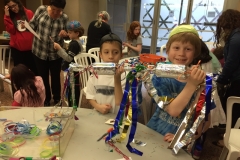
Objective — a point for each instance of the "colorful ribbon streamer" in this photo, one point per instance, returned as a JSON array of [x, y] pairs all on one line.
[[208, 96], [134, 118]]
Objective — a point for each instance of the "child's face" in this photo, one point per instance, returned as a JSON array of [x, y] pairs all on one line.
[[181, 53], [110, 52], [73, 35], [136, 31]]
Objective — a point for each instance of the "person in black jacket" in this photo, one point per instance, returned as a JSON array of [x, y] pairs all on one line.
[[228, 82], [97, 29]]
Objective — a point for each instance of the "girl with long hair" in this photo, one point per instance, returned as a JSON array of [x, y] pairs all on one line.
[[134, 39], [20, 38], [228, 82], [30, 90]]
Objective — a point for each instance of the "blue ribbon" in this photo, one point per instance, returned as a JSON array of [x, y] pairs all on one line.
[[208, 96], [134, 119], [120, 112]]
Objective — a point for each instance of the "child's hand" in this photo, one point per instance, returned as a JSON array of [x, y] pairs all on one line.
[[196, 77], [125, 44], [119, 71], [168, 137], [197, 136], [6, 10], [7, 76], [63, 33], [56, 46], [104, 108]]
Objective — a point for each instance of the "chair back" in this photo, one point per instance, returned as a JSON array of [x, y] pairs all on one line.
[[230, 101], [85, 60], [95, 51], [83, 40], [5, 60], [161, 49]]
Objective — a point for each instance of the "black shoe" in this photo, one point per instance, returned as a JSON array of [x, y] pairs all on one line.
[[46, 103]]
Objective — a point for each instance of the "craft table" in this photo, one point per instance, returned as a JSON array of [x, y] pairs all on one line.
[[91, 125]]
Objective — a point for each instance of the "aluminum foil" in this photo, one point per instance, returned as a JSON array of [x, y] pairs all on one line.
[[104, 68], [171, 71], [189, 137], [175, 145], [72, 85], [162, 102]]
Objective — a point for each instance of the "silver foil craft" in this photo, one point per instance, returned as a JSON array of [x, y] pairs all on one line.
[[189, 137], [182, 129], [171, 71], [181, 138], [72, 84], [104, 68]]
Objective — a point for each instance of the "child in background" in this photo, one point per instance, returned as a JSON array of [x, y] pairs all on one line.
[[218, 52], [134, 39], [106, 91], [30, 90], [209, 62], [182, 47], [75, 30]]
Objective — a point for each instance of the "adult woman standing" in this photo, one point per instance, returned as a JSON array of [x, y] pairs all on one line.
[[50, 23], [20, 38], [134, 39], [97, 29], [228, 82]]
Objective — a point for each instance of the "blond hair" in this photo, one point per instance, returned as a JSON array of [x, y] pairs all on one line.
[[102, 15]]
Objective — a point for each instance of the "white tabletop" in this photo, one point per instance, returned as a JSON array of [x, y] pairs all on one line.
[[91, 126]]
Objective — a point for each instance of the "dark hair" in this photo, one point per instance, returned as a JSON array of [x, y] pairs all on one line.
[[80, 30], [111, 38], [21, 12], [204, 55], [218, 52], [58, 3], [23, 79], [227, 22], [130, 33]]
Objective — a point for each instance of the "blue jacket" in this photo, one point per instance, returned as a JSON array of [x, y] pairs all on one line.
[[231, 68]]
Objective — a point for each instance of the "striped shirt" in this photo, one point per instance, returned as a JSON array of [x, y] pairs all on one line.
[[47, 27]]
